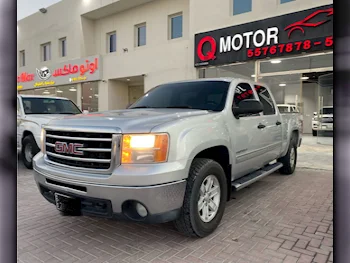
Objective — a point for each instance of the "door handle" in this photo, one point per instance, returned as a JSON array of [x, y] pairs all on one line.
[[261, 126], [278, 123]]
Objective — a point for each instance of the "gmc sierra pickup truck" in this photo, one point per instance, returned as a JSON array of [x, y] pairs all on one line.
[[33, 111], [175, 155]]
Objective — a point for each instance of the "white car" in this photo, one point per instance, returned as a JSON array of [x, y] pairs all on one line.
[[32, 112], [287, 108], [323, 121]]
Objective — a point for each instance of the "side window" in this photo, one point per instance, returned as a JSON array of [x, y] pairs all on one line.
[[243, 91], [266, 100]]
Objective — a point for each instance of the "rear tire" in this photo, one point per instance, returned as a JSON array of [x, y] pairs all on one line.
[[206, 188], [289, 161], [314, 133], [29, 150]]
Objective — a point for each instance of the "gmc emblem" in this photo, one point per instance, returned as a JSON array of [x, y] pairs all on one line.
[[69, 148]]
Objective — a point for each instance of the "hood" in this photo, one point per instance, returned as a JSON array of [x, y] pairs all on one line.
[[43, 118], [128, 121]]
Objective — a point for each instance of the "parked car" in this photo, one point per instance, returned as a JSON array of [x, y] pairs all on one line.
[[323, 121], [32, 113], [175, 155], [291, 109], [287, 108]]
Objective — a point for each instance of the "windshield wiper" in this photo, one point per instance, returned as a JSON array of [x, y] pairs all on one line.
[[67, 113], [141, 107]]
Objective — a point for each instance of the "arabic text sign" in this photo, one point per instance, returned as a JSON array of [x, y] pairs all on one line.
[[65, 73]]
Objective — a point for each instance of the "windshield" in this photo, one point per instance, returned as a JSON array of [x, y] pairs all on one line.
[[326, 111], [49, 106], [201, 95]]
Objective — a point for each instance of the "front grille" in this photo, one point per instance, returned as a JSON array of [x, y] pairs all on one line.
[[327, 120], [79, 149]]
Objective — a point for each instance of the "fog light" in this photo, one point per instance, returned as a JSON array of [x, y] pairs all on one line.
[[141, 210]]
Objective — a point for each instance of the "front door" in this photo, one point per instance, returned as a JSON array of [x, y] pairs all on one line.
[[247, 139]]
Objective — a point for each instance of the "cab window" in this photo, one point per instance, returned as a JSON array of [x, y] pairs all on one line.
[[266, 100], [243, 91]]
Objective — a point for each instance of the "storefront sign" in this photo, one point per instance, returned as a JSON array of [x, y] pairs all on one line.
[[301, 32], [80, 70]]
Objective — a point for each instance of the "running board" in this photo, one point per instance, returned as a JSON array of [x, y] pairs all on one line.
[[255, 176]]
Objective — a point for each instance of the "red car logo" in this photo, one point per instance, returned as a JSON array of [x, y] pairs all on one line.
[[69, 148], [305, 22]]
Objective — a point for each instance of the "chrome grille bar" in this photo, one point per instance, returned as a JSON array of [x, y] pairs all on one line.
[[78, 158], [78, 138]]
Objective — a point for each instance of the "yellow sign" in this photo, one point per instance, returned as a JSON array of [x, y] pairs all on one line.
[[19, 87], [44, 83], [80, 78]]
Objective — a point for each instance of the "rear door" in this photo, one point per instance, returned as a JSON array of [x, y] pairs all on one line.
[[272, 132], [246, 136]]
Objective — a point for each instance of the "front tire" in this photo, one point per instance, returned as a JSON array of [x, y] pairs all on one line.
[[205, 199], [29, 150], [289, 161]]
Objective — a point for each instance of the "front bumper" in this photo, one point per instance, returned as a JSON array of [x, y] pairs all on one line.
[[163, 201]]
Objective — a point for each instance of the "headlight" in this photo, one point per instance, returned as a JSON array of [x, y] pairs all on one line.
[[42, 140], [145, 148]]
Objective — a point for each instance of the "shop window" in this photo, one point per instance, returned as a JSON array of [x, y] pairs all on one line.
[[266, 100], [63, 47], [242, 6], [286, 1], [26, 92], [69, 92], [141, 35], [307, 62], [22, 58], [46, 52], [45, 91], [176, 26], [241, 70], [112, 42], [89, 100]]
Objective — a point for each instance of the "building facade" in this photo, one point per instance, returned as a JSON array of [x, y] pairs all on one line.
[[105, 54]]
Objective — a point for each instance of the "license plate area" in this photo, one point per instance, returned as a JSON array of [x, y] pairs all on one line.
[[67, 204]]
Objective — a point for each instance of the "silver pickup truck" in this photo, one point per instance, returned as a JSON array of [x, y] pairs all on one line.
[[174, 155]]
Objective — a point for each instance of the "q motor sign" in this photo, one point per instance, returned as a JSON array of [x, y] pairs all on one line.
[[301, 32], [74, 71]]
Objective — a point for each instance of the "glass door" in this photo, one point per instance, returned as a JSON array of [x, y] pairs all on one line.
[[324, 115]]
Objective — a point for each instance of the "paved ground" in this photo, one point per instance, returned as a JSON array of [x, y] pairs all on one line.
[[278, 219]]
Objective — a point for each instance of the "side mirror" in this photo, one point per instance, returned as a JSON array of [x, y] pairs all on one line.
[[248, 107], [85, 112], [315, 113]]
